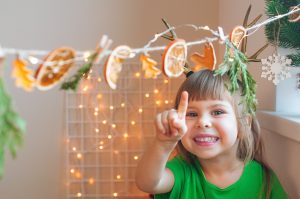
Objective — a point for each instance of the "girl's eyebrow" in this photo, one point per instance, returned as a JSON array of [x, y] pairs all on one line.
[[219, 105]]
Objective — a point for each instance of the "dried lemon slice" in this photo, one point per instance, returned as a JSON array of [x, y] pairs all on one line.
[[174, 58]]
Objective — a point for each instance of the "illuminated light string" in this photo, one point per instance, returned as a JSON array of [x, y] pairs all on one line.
[[82, 55]]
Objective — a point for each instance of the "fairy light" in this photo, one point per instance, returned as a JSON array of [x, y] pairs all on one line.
[[89, 77], [125, 135], [91, 181], [78, 174], [118, 177], [155, 91], [101, 147], [166, 81], [99, 96], [74, 149], [115, 194], [140, 110], [135, 157], [97, 130], [116, 152], [72, 171], [99, 79], [123, 105], [157, 102], [80, 106], [147, 95], [109, 136], [114, 126], [137, 74], [166, 101], [79, 194], [79, 155], [85, 88], [104, 122], [111, 107], [101, 142], [132, 122], [95, 113]]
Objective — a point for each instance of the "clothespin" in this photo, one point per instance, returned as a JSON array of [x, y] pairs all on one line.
[[104, 45], [221, 35]]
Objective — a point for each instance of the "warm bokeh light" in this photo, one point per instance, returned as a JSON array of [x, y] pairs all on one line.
[[109, 136], [91, 181], [74, 149], [115, 194], [80, 106], [140, 110], [137, 74], [166, 81], [79, 194], [125, 135], [156, 91], [132, 122], [147, 95], [79, 155], [123, 104], [104, 122], [118, 177], [72, 170], [136, 157], [114, 126], [97, 130]]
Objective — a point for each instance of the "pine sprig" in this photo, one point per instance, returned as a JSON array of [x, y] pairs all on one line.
[[12, 127], [73, 82], [283, 33], [236, 69]]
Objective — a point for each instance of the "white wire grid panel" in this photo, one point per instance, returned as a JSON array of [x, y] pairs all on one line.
[[107, 131]]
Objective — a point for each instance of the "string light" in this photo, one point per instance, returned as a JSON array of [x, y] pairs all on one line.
[[72, 170], [111, 107], [104, 122], [125, 135], [79, 155], [115, 194], [74, 148], [109, 136], [99, 96], [166, 81], [114, 126], [132, 122], [99, 79], [91, 181], [137, 74], [79, 194], [97, 130], [78, 174], [101, 147], [136, 157], [118, 177], [147, 95], [156, 91], [95, 113], [166, 101], [123, 104], [140, 110], [157, 102], [80, 106]]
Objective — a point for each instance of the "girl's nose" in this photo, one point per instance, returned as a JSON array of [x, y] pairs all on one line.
[[203, 122]]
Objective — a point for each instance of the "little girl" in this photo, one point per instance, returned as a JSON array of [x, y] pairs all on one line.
[[219, 147]]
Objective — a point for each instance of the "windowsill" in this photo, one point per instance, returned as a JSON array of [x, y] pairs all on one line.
[[284, 124]]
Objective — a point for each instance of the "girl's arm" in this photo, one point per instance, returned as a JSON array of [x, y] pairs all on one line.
[[152, 175]]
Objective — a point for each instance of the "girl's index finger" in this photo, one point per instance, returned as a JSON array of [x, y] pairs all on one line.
[[183, 104]]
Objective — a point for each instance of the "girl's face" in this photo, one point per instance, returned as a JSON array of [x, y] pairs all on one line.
[[212, 129]]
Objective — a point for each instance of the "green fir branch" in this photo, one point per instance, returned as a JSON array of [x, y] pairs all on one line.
[[236, 69], [73, 82], [12, 127], [281, 32]]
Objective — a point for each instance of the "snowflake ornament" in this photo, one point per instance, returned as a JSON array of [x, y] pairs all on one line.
[[276, 68]]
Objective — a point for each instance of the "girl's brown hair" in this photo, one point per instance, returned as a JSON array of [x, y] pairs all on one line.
[[205, 85]]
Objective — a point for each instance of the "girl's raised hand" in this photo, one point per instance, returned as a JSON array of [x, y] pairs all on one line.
[[170, 124]]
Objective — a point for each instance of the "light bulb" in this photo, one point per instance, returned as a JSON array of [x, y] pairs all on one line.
[[140, 110]]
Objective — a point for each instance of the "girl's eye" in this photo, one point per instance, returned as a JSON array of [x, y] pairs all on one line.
[[191, 114], [218, 112]]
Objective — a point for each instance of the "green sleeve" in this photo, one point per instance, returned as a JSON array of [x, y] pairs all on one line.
[[176, 167], [277, 191]]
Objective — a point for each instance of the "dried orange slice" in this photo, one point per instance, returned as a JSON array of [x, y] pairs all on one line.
[[113, 65], [148, 65], [207, 60], [174, 58], [54, 68], [236, 37]]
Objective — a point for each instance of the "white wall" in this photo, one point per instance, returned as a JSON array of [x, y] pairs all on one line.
[[32, 24]]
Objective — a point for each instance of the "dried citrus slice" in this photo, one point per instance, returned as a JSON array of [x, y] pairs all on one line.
[[174, 58], [236, 37], [113, 65], [54, 68], [207, 60]]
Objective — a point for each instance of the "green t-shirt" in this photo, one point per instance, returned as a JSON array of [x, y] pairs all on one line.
[[190, 183]]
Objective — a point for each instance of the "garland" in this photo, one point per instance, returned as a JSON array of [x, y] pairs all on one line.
[[236, 69], [283, 33]]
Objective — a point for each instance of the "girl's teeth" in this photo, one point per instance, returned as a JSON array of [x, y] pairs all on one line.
[[206, 139]]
